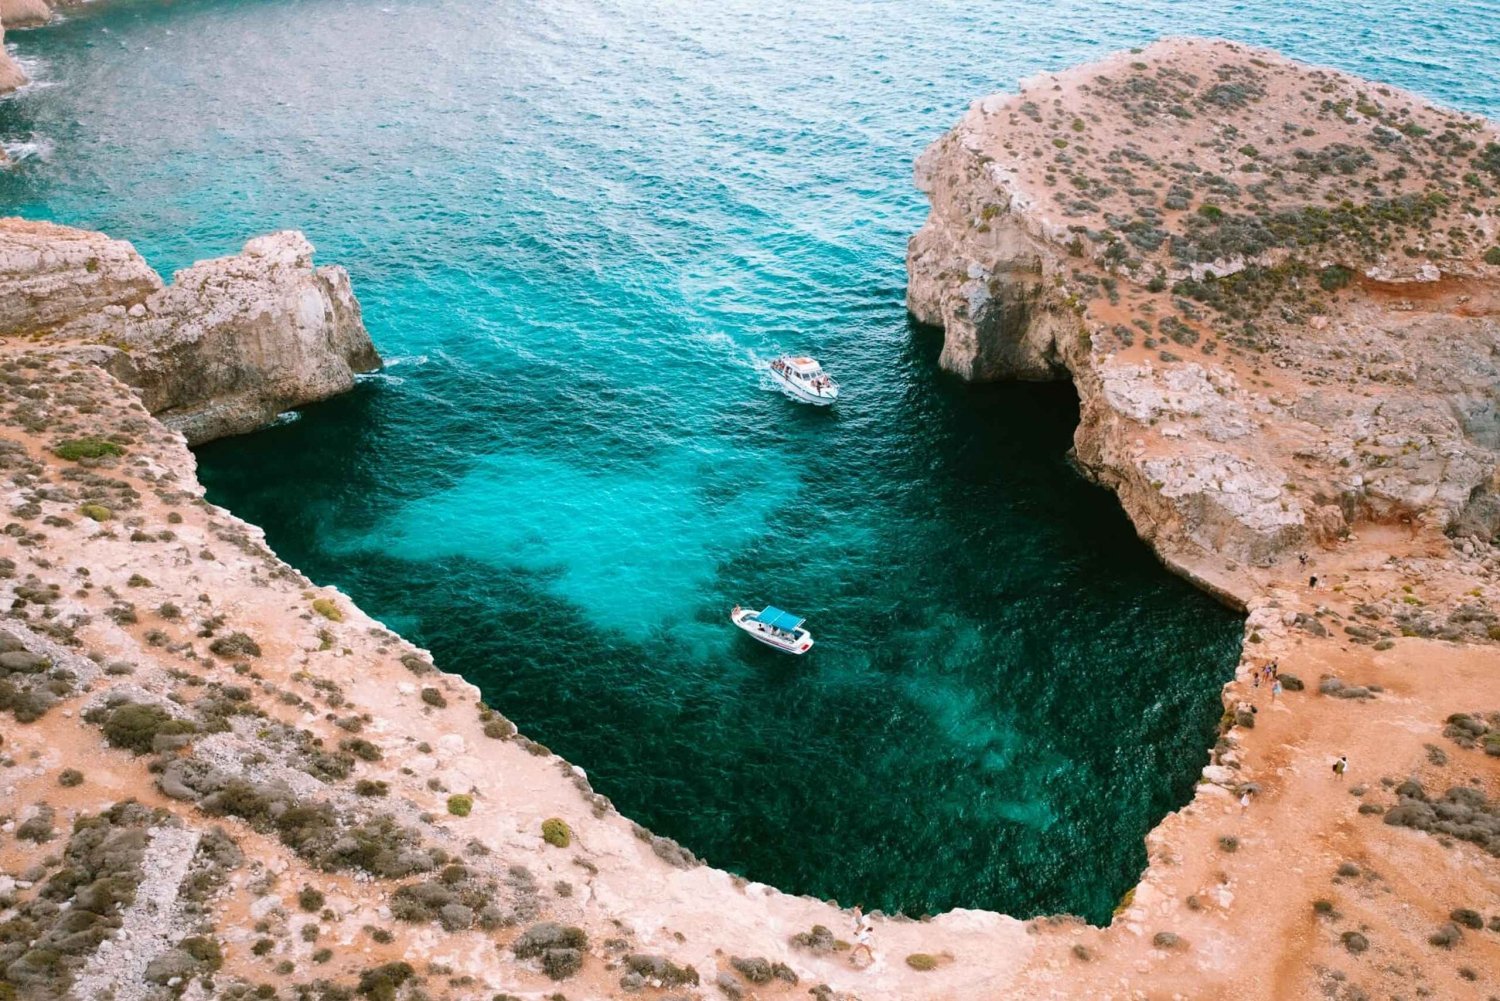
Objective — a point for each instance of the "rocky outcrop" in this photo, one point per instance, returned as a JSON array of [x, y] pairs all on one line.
[[24, 13], [11, 74], [223, 349], [1283, 320], [50, 274]]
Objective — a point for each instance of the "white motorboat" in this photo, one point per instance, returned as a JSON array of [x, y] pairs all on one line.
[[774, 628], [803, 379]]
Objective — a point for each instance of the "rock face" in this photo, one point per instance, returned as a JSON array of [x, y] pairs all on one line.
[[51, 274], [24, 13], [222, 350], [1274, 292], [11, 75]]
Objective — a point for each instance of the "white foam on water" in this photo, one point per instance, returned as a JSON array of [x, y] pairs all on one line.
[[37, 147], [284, 418]]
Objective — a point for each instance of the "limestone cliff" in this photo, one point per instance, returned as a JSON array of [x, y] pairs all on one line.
[[11, 74], [1275, 287], [223, 349], [24, 13]]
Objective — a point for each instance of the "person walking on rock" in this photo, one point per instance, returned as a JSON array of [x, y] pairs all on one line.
[[1341, 766], [863, 940]]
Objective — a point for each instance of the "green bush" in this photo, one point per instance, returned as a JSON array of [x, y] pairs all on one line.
[[310, 898], [360, 748], [96, 512], [556, 832], [433, 697], [203, 949], [921, 961], [381, 982], [1492, 256], [235, 645], [460, 805], [326, 608], [135, 726], [1334, 277], [69, 777], [87, 448]]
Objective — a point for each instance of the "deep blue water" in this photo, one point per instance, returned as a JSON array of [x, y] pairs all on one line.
[[577, 229]]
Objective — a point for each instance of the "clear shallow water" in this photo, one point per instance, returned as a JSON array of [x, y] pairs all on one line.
[[578, 229]]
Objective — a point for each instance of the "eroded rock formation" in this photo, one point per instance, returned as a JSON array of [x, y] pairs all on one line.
[[223, 349], [11, 74], [1274, 286]]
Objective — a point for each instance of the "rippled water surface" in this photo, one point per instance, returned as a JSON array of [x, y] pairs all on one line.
[[578, 230]]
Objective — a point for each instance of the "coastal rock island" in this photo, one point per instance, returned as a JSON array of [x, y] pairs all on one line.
[[223, 349], [222, 780]]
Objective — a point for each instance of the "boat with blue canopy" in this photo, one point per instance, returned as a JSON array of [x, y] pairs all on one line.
[[774, 627]]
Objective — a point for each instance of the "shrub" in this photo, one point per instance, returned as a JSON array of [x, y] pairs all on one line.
[[326, 608], [360, 748], [38, 828], [921, 961], [310, 898], [433, 697], [135, 726], [669, 974], [205, 951], [1492, 256], [87, 448], [69, 777], [96, 512], [1334, 277], [556, 832], [460, 804], [1467, 917], [380, 983], [368, 787], [1445, 937], [235, 645]]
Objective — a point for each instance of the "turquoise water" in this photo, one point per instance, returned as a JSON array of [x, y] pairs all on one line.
[[578, 230]]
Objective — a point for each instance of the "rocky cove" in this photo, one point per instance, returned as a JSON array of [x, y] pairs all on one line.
[[304, 776]]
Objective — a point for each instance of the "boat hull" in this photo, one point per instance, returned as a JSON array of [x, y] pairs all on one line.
[[796, 646]]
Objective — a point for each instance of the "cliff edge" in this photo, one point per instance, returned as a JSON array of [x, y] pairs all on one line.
[[1274, 285], [1276, 288]]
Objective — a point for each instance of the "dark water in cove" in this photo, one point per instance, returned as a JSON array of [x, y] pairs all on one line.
[[578, 229]]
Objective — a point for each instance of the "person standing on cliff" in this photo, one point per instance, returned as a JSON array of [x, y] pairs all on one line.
[[1275, 688], [1341, 766], [863, 939]]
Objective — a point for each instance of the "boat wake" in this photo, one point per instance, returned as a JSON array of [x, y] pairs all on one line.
[[380, 378]]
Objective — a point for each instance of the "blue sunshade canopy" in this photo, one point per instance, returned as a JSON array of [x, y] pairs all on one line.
[[777, 619]]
